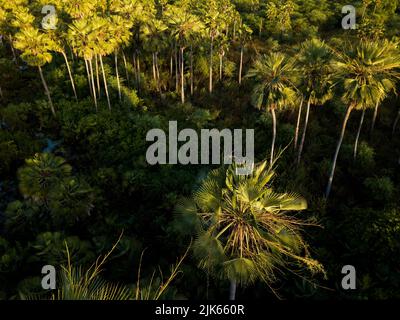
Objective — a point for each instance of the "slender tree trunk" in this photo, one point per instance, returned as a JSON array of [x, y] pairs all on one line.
[[154, 67], [125, 66], [138, 69], [97, 75], [241, 64], [182, 76], [396, 122], [358, 134], [210, 85], [70, 74], [46, 88], [105, 82], [220, 67], [88, 77], [303, 137], [232, 290], [335, 157], [93, 84], [157, 68], [234, 30], [117, 74], [176, 69], [374, 117], [1, 93], [273, 133], [135, 69], [191, 70], [296, 134]]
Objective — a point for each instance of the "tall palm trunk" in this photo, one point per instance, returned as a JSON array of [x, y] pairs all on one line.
[[138, 71], [303, 137], [176, 69], [374, 117], [191, 70], [88, 77], [134, 68], [105, 82], [273, 133], [117, 74], [125, 66], [339, 144], [97, 75], [220, 66], [93, 85], [182, 75], [232, 290], [241, 64], [210, 84], [358, 134], [158, 72], [296, 134], [46, 88], [396, 121], [70, 74]]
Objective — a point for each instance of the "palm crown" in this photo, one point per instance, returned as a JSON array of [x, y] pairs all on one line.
[[244, 231]]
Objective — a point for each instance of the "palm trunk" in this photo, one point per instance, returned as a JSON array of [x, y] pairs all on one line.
[[154, 67], [157, 71], [97, 75], [191, 70], [125, 66], [303, 137], [339, 144], [358, 134], [182, 76], [210, 84], [93, 85], [296, 134], [88, 77], [273, 133], [220, 67], [176, 69], [396, 122], [70, 74], [47, 91], [138, 70], [374, 117], [105, 82], [232, 290], [134, 68], [117, 74], [241, 65]]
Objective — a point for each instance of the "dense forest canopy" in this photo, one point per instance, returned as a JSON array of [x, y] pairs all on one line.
[[83, 82]]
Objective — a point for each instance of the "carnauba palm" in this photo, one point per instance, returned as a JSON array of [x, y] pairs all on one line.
[[245, 232]]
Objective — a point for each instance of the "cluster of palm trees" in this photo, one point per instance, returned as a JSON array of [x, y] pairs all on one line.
[[93, 29], [362, 74]]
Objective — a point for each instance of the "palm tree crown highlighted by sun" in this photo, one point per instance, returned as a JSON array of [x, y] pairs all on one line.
[[244, 230]]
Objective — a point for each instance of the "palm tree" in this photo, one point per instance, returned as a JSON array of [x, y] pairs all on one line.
[[184, 27], [41, 175], [315, 66], [366, 72], [36, 49], [274, 89], [244, 35], [244, 232]]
